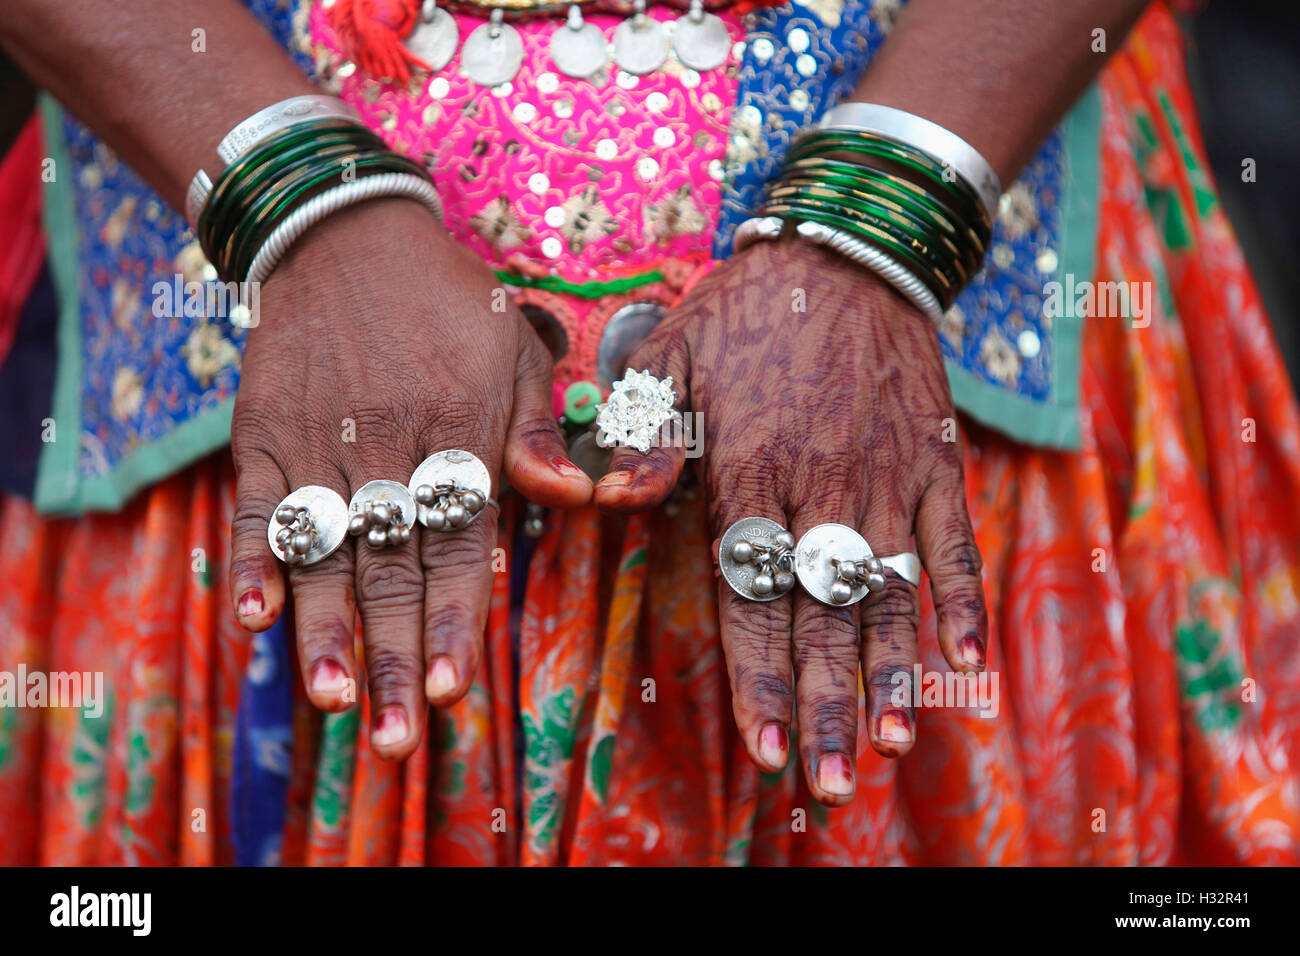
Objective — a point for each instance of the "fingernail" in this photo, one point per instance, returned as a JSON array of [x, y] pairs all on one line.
[[251, 602], [971, 651], [772, 745], [835, 774], [615, 479], [894, 727], [392, 728], [327, 677], [442, 679], [563, 466]]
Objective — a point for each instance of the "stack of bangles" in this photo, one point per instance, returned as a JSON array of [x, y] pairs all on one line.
[[892, 191], [287, 168]]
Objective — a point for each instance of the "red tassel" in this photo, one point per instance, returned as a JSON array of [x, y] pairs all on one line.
[[371, 32]]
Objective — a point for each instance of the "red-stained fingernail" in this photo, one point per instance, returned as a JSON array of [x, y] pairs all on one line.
[[328, 677], [835, 774], [615, 479], [251, 602], [894, 727], [971, 651], [773, 746], [562, 466], [442, 679], [391, 729]]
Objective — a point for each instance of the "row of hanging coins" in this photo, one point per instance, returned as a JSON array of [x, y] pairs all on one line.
[[494, 52]]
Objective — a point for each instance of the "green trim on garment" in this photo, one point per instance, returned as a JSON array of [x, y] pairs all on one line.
[[584, 290], [56, 473], [59, 486], [1056, 422]]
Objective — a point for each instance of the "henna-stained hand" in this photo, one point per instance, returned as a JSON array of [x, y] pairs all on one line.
[[824, 399], [378, 345]]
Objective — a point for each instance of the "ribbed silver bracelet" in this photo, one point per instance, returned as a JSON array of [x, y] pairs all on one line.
[[930, 138], [267, 122], [849, 246], [383, 186]]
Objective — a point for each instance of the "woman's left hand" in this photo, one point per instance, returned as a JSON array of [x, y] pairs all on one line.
[[824, 399]]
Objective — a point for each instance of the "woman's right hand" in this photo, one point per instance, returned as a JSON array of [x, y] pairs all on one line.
[[377, 345]]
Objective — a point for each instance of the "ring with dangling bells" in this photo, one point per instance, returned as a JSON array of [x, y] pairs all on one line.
[[307, 526], [450, 489], [756, 557], [382, 512]]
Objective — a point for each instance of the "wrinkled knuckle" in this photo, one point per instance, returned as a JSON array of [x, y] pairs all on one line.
[[384, 583], [761, 687], [458, 553], [896, 604], [834, 718], [966, 600], [388, 667], [321, 636], [826, 629], [958, 556]]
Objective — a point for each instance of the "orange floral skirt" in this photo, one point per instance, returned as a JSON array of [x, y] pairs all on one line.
[[1145, 629]]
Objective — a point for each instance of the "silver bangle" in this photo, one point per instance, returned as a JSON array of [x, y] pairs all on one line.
[[902, 279], [267, 122], [258, 127], [327, 203], [931, 138]]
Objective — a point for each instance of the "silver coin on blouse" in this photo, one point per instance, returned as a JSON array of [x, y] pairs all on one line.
[[492, 54], [640, 45], [579, 49], [701, 41], [326, 524], [815, 560], [435, 37]]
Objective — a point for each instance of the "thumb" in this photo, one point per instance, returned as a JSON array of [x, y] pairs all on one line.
[[536, 459]]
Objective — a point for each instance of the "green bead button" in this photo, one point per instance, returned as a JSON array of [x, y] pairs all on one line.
[[580, 401]]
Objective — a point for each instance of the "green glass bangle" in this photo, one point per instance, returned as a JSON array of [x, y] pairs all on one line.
[[903, 190], [933, 279], [820, 141], [286, 177], [918, 244], [235, 174], [963, 196], [263, 219], [920, 225], [234, 202]]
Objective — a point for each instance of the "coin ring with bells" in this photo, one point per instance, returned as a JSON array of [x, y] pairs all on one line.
[[381, 521], [296, 535], [450, 506], [848, 574], [774, 560]]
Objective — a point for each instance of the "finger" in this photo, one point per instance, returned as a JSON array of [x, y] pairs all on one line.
[[826, 673], [256, 579], [390, 597], [946, 546], [458, 589], [888, 619], [536, 459], [637, 481], [324, 613], [756, 640]]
